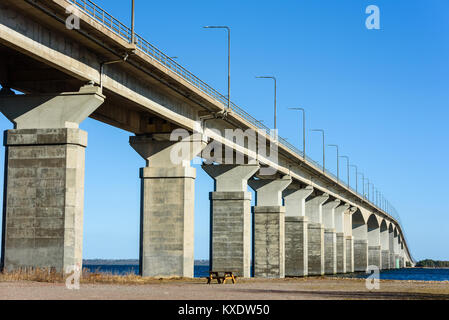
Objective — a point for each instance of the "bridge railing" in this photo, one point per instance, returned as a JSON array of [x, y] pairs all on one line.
[[121, 30]]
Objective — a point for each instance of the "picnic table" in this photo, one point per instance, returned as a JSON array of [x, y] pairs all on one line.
[[221, 276]]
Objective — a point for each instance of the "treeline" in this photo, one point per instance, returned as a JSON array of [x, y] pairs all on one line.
[[428, 263]]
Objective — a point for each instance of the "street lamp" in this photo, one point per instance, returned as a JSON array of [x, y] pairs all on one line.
[[347, 162], [324, 157], [275, 90], [229, 60], [338, 162], [303, 131], [133, 35], [364, 188], [356, 177]]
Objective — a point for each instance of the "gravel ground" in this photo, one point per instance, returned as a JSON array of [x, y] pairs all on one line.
[[246, 289]]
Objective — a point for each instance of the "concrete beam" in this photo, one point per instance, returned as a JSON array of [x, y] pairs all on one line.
[[314, 208], [62, 110], [269, 191]]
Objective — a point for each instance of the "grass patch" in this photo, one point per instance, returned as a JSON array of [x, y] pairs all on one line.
[[51, 276]]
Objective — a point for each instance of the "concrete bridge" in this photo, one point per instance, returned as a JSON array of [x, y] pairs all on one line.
[[305, 221]]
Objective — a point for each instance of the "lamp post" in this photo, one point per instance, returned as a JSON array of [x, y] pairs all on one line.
[[303, 131], [338, 162], [347, 166], [133, 35], [229, 60], [275, 90], [368, 188], [324, 151], [356, 177], [363, 184]]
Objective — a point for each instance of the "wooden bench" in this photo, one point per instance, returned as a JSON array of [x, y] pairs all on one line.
[[222, 276]]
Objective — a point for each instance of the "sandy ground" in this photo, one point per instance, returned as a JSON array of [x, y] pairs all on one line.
[[246, 289]]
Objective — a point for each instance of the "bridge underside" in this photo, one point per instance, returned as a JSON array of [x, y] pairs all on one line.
[[302, 227]]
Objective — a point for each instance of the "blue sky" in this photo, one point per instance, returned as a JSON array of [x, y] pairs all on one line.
[[381, 95]]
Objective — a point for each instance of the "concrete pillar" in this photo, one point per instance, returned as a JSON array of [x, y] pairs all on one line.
[[391, 246], [296, 225], [167, 204], [396, 250], [230, 218], [385, 259], [374, 242], [269, 227], [339, 214], [385, 246], [349, 253], [330, 237], [360, 255], [375, 256], [360, 233], [347, 227], [315, 236], [44, 179]]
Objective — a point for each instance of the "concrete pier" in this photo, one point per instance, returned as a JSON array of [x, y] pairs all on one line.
[[375, 256], [269, 227], [315, 239], [360, 255], [385, 259], [341, 252], [44, 179], [330, 238], [392, 260], [330, 251], [296, 226], [230, 218], [167, 204], [315, 235], [339, 222], [360, 233], [349, 253]]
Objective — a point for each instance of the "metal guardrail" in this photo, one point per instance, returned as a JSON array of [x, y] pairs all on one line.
[[124, 32]]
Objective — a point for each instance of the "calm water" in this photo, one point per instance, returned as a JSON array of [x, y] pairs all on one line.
[[423, 274], [199, 271], [397, 274]]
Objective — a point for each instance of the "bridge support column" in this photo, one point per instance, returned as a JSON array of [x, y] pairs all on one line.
[[44, 179], [339, 217], [296, 225], [330, 238], [375, 256], [349, 253], [269, 227], [392, 260], [167, 204], [385, 259], [230, 218], [341, 252], [360, 255], [330, 251], [315, 236]]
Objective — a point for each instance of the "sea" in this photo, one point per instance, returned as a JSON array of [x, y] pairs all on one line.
[[422, 274]]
